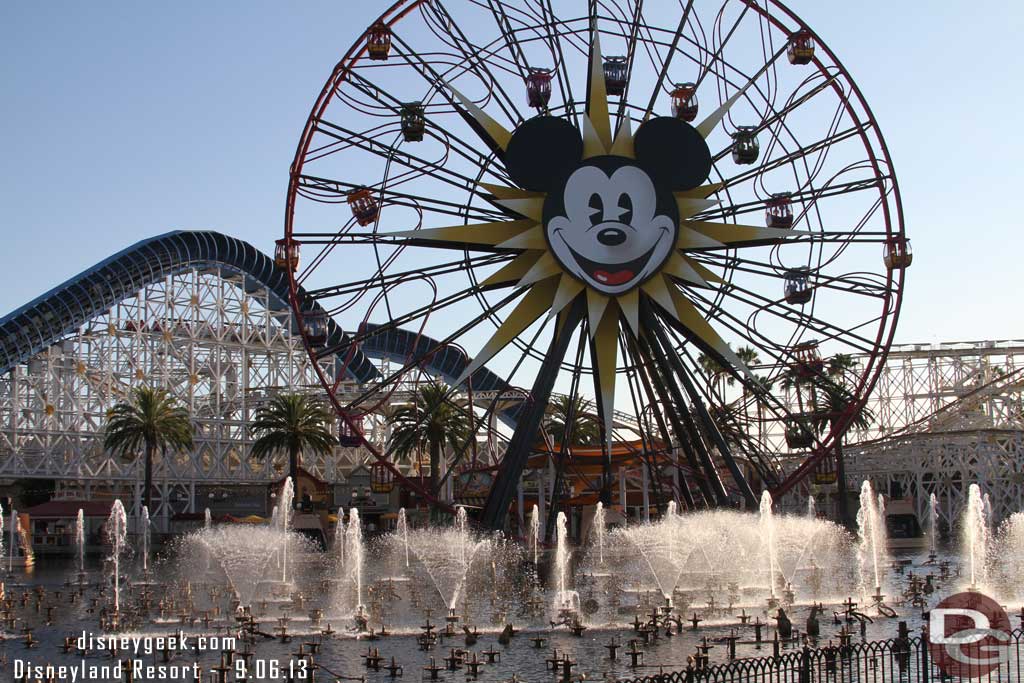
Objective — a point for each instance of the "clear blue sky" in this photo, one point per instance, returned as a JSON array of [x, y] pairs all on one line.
[[122, 120]]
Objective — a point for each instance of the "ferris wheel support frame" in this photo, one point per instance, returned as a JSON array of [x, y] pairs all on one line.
[[725, 452], [525, 434], [705, 436]]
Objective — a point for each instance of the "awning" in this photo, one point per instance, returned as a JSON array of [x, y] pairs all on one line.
[[251, 519], [68, 509]]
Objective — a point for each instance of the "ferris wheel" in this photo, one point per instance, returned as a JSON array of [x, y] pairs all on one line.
[[621, 203]]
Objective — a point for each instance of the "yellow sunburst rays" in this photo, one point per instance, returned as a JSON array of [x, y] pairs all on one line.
[[548, 288]]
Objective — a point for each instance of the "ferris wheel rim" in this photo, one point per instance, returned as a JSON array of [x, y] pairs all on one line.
[[894, 218]]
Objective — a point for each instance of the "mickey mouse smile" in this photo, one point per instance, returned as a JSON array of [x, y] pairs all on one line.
[[611, 274]]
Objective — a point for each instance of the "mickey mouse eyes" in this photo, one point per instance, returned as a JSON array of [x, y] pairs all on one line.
[[626, 204], [596, 209]]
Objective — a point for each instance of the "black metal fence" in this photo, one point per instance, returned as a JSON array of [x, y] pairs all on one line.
[[907, 659]]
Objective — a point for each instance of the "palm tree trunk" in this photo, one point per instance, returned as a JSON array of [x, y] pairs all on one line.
[[148, 477], [435, 465], [293, 470]]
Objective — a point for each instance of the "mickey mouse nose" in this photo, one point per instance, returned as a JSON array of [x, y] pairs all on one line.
[[611, 237]]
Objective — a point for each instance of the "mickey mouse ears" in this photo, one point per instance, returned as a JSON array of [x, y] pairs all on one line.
[[544, 150], [673, 152]]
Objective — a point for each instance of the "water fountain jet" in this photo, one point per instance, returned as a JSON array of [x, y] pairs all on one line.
[[403, 531], [117, 531], [535, 533], [284, 520], [768, 533], [13, 541], [933, 527], [873, 544], [975, 537], [79, 543], [354, 557], [448, 556], [566, 603], [145, 539], [243, 553]]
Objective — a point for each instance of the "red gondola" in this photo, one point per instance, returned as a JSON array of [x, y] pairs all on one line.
[[807, 361], [684, 101], [798, 288], [778, 212], [538, 88], [364, 206], [350, 437]]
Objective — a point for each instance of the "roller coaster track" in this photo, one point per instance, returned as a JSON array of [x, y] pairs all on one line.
[[65, 308], [59, 312]]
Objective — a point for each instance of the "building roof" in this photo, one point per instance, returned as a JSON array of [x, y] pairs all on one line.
[[303, 473], [56, 509], [628, 453]]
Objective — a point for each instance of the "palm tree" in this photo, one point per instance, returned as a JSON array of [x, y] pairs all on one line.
[[763, 386], [833, 400], [431, 422], [714, 371], [150, 419], [292, 423], [585, 429], [840, 366], [792, 380], [749, 356]]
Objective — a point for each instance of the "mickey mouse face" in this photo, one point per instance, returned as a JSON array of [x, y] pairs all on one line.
[[606, 226], [610, 221]]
